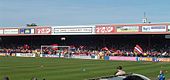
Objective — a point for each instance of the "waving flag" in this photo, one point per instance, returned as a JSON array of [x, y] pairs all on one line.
[[54, 46], [105, 48], [138, 49]]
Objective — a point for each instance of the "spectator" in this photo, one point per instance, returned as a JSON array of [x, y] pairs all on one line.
[[161, 76], [6, 78], [120, 71]]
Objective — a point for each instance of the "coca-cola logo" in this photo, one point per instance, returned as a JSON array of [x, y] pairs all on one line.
[[105, 29], [43, 30]]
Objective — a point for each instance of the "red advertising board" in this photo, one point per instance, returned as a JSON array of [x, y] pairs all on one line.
[[106, 29], [43, 30]]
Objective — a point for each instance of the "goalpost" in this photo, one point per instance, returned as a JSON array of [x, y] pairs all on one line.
[[60, 51]]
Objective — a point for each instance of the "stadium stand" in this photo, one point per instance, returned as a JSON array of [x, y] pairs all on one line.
[[123, 45]]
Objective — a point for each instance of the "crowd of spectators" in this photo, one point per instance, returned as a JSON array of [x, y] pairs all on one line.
[[20, 49], [122, 45], [85, 50]]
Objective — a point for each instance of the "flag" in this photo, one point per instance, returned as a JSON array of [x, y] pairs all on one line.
[[105, 48], [138, 49], [26, 46], [55, 46]]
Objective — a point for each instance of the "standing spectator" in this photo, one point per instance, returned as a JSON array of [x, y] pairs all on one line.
[[161, 76]]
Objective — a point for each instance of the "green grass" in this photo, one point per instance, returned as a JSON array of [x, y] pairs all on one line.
[[72, 69]]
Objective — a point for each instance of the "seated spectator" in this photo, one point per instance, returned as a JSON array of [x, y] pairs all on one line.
[[120, 71]]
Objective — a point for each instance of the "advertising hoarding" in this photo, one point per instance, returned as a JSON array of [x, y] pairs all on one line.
[[156, 28], [144, 59], [163, 59], [127, 28], [51, 55], [27, 31], [43, 30], [73, 30], [100, 29], [1, 31], [82, 57], [11, 31], [25, 54], [2, 54], [122, 58]]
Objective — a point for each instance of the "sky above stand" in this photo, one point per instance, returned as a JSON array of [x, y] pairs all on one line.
[[81, 12]]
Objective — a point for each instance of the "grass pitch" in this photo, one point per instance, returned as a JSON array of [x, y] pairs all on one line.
[[74, 69]]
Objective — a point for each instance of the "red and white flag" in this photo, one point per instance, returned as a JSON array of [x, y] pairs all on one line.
[[138, 49], [55, 46], [105, 48]]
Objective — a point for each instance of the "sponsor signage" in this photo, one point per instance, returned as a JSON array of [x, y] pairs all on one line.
[[51, 55], [2, 54], [169, 28], [25, 54], [144, 59], [73, 30], [156, 28], [105, 29], [122, 58], [27, 31], [127, 28], [10, 31], [13, 54], [163, 59], [82, 57], [43, 30], [1, 31]]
